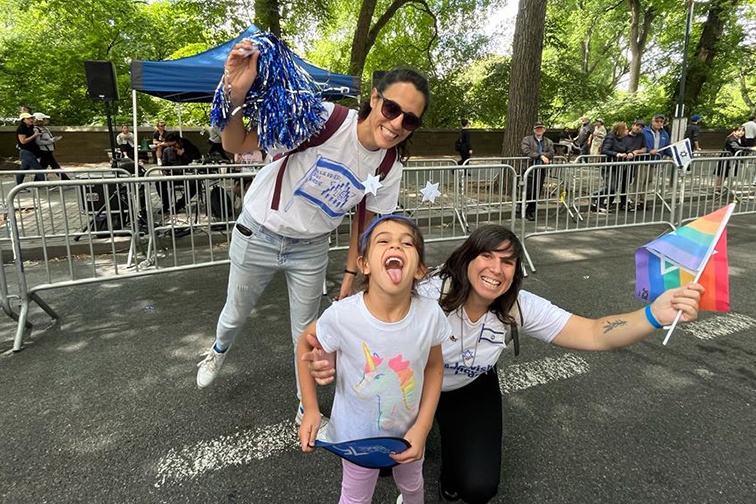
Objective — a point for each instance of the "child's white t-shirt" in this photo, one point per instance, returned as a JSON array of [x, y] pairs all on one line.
[[380, 366], [475, 347], [321, 184]]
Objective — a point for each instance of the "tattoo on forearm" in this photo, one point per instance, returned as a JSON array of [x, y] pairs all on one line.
[[610, 326]]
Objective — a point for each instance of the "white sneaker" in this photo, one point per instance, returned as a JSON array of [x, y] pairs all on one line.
[[322, 430], [160, 162], [209, 367]]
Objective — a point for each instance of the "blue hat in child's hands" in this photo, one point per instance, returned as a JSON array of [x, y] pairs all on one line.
[[372, 453]]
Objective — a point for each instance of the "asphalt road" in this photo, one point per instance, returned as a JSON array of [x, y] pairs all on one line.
[[103, 406]]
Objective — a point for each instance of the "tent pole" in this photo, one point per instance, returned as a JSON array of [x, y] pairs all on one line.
[[178, 112], [135, 130]]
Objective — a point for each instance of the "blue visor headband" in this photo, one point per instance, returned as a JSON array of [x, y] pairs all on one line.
[[378, 220]]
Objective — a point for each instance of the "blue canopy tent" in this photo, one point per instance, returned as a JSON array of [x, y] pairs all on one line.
[[194, 78]]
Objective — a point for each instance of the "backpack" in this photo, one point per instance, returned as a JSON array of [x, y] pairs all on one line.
[[220, 204], [334, 122], [515, 312]]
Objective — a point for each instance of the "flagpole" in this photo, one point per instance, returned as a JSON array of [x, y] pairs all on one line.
[[712, 246]]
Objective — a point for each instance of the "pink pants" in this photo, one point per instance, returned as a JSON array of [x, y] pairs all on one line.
[[358, 483]]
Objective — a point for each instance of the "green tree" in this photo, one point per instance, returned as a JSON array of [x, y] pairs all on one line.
[[525, 77]]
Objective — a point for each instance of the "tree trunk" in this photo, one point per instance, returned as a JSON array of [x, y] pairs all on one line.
[[268, 16], [522, 110], [706, 50], [638, 38], [360, 43]]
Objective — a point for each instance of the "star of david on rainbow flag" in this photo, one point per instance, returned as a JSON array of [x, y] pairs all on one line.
[[696, 252]]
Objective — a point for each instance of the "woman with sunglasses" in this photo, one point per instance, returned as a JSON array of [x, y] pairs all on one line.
[[288, 215]]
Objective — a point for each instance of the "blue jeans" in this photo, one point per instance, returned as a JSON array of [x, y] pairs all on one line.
[[254, 261], [29, 161]]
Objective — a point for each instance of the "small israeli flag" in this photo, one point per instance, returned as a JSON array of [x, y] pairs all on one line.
[[682, 153]]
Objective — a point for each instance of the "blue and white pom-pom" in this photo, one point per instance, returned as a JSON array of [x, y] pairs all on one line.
[[283, 101]]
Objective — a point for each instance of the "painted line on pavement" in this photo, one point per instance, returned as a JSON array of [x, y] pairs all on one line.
[[224, 451], [523, 376], [719, 325]]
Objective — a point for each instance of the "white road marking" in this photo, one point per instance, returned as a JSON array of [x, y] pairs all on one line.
[[224, 451], [540, 372], [719, 325]]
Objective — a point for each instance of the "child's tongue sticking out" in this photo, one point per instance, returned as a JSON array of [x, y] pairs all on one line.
[[394, 269]]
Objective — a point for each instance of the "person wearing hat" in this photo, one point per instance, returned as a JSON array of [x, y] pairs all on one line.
[[597, 137], [540, 151], [693, 130], [28, 150], [657, 138], [46, 142]]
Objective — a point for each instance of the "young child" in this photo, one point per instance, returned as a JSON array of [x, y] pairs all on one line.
[[387, 344]]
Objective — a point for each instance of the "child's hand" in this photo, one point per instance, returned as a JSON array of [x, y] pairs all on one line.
[[308, 431], [416, 437]]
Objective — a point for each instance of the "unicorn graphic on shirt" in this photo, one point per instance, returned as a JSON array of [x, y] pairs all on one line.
[[392, 383]]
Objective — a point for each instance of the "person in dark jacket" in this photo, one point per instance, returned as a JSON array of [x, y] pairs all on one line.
[[28, 150], [733, 147], [615, 151], [540, 151], [693, 131], [463, 143], [178, 151]]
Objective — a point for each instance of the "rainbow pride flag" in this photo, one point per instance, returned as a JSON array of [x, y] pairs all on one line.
[[694, 252]]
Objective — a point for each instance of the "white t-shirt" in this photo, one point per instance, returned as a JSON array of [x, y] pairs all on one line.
[[750, 129], [321, 184], [474, 348], [380, 366]]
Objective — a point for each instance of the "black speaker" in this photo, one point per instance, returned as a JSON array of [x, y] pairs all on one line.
[[377, 76], [101, 80]]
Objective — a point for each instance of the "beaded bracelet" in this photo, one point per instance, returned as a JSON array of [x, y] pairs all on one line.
[[651, 319]]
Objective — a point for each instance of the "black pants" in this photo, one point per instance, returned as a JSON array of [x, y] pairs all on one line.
[[534, 186], [469, 420], [47, 160]]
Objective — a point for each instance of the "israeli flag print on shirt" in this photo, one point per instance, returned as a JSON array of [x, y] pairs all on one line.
[[329, 186]]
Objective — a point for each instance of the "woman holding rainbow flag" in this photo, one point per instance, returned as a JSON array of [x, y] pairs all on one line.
[[479, 288]]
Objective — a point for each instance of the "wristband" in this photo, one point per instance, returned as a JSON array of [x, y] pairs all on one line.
[[651, 319], [347, 270]]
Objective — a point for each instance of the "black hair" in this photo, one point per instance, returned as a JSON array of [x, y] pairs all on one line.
[[465, 123], [173, 136], [486, 238], [400, 75]]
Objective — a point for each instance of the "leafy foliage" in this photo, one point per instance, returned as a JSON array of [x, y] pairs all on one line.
[[585, 59]]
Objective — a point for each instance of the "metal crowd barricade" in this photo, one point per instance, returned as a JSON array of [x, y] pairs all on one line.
[[78, 247], [711, 183], [572, 196], [463, 201], [97, 229], [36, 211]]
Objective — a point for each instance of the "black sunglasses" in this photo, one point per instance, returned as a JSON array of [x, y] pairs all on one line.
[[391, 110]]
